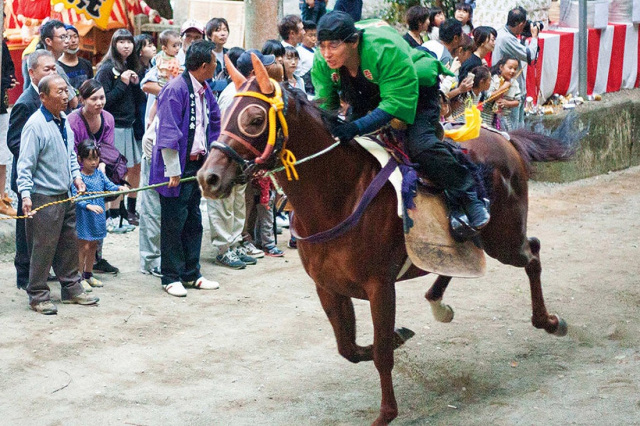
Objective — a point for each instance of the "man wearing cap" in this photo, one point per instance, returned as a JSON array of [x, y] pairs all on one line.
[[190, 31], [227, 216], [382, 78], [188, 119], [77, 69]]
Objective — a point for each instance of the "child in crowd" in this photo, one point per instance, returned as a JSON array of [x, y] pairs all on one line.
[[481, 82], [307, 50], [464, 13], [436, 17], [91, 221], [497, 112], [290, 62], [264, 229], [167, 61]]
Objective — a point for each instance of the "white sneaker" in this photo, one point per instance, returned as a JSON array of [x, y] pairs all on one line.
[[111, 225], [175, 289], [252, 250], [282, 221], [204, 284]]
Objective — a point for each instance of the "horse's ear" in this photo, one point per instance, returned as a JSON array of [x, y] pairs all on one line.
[[237, 78], [262, 76]]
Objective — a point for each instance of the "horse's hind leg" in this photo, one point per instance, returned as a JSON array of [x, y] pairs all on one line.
[[540, 318], [339, 310], [441, 312]]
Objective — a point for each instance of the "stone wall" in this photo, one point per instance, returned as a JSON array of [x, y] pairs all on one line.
[[611, 144]]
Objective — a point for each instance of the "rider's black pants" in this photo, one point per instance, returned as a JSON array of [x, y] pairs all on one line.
[[435, 158]]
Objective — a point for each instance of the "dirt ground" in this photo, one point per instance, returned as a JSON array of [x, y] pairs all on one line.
[[260, 351]]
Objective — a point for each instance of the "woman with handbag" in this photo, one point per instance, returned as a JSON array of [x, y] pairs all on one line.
[[92, 122]]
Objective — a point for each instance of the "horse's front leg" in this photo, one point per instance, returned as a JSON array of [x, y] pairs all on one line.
[[383, 312], [339, 310]]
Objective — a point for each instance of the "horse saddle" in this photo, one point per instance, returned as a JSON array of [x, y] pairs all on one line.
[[429, 242]]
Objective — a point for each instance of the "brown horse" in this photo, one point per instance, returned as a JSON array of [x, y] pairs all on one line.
[[365, 261]]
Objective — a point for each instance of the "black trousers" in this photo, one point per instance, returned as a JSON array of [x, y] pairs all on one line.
[[22, 258], [435, 158], [181, 231]]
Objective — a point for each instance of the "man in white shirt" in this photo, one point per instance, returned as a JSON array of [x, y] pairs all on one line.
[[291, 30]]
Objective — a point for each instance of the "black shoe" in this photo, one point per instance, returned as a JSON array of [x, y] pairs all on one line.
[[104, 267], [133, 218], [476, 210]]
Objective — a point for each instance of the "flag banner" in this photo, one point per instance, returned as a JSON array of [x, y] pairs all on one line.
[[98, 10]]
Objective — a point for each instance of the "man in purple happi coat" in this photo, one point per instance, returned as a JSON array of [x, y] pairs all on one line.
[[188, 120]]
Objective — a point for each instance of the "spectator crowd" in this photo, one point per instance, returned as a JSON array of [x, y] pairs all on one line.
[[147, 115]]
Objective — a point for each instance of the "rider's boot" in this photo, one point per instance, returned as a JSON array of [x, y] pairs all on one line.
[[469, 212], [476, 209]]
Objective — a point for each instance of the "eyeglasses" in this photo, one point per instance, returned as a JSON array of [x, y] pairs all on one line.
[[331, 45], [62, 37]]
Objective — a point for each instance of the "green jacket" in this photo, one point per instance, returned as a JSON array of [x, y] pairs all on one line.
[[387, 61]]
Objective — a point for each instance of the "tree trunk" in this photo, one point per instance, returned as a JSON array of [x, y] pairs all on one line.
[[261, 21], [162, 6]]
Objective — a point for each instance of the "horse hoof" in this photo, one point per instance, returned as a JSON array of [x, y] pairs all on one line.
[[562, 327], [441, 312], [404, 333], [401, 336]]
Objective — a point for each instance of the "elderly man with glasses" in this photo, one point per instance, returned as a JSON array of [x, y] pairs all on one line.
[[382, 78]]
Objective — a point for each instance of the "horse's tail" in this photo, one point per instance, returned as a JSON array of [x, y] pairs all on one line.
[[559, 145]]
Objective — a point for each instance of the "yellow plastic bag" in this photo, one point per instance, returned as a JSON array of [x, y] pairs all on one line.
[[471, 128]]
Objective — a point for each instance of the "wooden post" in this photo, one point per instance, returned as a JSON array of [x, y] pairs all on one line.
[[261, 22]]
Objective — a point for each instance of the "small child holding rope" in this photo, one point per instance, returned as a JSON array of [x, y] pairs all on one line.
[[504, 94], [91, 221]]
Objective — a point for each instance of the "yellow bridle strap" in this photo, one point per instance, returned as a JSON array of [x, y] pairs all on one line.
[[277, 109]]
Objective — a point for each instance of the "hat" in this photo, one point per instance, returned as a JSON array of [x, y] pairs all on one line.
[[335, 25], [71, 27], [245, 66], [191, 23]]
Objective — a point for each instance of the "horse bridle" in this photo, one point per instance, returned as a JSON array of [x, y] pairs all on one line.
[[275, 143]]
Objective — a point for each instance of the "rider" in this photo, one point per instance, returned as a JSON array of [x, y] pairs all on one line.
[[382, 78]]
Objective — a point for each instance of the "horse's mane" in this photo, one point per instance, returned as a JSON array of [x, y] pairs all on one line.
[[302, 102]]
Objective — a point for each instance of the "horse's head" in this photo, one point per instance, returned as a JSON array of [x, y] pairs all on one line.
[[249, 137]]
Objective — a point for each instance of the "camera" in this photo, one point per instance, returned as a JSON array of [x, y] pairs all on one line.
[[526, 32]]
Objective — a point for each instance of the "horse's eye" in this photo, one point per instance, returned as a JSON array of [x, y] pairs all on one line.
[[252, 120]]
